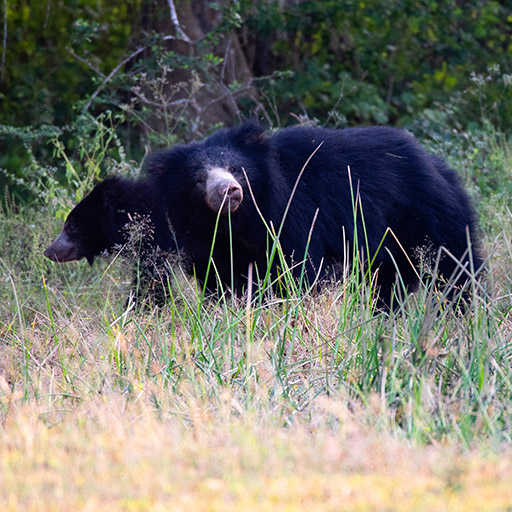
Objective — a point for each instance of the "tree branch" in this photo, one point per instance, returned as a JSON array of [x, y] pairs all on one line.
[[86, 62], [4, 41], [107, 79], [176, 22], [229, 94], [111, 74], [47, 15]]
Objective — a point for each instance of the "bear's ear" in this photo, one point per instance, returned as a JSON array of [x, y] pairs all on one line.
[[249, 134]]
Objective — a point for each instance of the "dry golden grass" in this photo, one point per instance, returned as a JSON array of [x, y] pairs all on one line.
[[311, 403], [147, 411], [113, 454]]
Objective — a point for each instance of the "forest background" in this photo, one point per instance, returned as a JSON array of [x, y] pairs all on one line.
[[437, 68], [293, 402]]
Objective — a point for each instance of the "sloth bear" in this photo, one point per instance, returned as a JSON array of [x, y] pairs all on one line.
[[328, 194]]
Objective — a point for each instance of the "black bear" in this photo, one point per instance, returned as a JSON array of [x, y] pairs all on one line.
[[100, 221], [221, 201]]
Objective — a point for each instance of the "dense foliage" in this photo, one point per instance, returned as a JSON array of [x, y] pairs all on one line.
[[434, 67], [392, 59]]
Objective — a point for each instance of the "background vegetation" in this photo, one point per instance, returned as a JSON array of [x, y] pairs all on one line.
[[298, 402], [434, 67]]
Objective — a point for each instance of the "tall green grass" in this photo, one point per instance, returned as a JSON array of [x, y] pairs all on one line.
[[422, 371]]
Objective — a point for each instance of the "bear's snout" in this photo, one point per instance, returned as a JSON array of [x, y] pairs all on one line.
[[62, 249], [232, 191], [223, 191]]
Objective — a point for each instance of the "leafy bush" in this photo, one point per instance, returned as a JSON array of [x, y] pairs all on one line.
[[398, 57], [438, 66]]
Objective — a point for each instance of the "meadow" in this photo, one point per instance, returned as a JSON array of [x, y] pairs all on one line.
[[290, 401]]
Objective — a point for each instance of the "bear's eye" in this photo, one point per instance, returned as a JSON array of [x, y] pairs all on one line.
[[71, 229], [200, 179], [232, 169]]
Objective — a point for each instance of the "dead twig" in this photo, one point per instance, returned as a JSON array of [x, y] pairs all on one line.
[[111, 75]]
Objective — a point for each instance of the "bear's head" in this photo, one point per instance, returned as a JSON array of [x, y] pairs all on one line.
[[94, 225], [223, 174]]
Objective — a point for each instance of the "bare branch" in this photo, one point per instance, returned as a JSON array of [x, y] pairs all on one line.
[[229, 95], [107, 79], [176, 22], [4, 41], [111, 74], [226, 57], [84, 61], [146, 101], [47, 15], [174, 38]]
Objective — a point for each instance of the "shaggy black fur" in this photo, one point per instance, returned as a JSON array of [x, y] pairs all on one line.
[[380, 174]]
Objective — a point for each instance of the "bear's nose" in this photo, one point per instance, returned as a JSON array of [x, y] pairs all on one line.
[[223, 191], [228, 189], [231, 194]]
